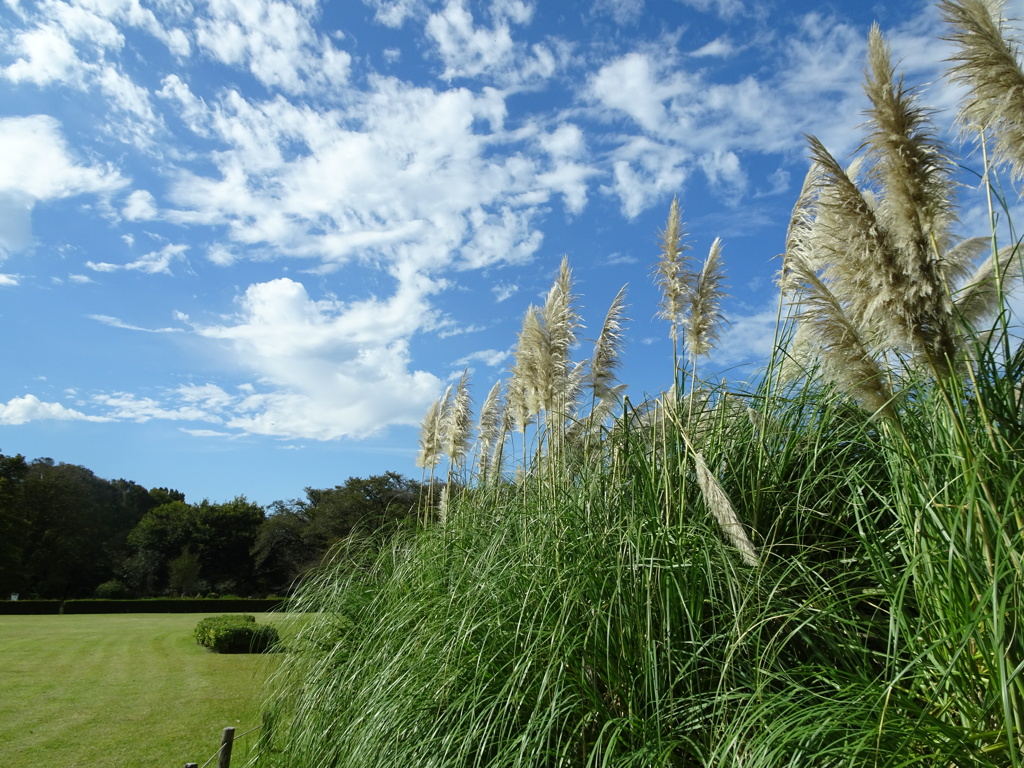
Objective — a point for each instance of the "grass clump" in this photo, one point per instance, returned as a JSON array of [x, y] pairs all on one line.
[[823, 568]]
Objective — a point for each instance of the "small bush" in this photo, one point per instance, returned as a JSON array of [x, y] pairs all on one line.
[[111, 590], [235, 633]]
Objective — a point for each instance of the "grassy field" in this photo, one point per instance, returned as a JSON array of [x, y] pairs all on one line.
[[120, 690]]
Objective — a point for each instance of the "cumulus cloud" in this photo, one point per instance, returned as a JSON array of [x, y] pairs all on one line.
[[408, 173], [39, 164], [21, 410], [328, 368], [691, 117], [46, 56], [140, 206]]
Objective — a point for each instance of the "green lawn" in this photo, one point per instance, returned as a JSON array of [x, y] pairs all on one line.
[[121, 690]]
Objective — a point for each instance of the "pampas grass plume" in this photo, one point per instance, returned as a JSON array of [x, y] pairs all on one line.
[[705, 319], [671, 273], [457, 423], [988, 65], [719, 505]]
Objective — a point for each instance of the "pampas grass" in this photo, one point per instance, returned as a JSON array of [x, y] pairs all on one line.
[[605, 606]]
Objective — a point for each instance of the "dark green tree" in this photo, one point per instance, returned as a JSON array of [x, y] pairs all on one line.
[[297, 535], [219, 537], [72, 521], [13, 523]]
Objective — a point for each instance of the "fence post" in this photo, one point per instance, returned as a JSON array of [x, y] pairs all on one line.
[[226, 740]]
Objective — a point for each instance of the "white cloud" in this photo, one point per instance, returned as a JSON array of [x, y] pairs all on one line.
[[504, 291], [720, 47], [140, 206], [724, 173], [276, 41], [492, 358], [723, 8], [124, 406], [15, 221], [328, 369], [152, 263], [39, 164], [393, 13], [644, 171], [748, 339], [623, 11], [471, 50], [468, 50], [566, 141], [114, 322], [406, 173], [21, 410], [46, 56], [636, 85]]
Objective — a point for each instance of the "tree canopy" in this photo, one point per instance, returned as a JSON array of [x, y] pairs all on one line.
[[66, 533]]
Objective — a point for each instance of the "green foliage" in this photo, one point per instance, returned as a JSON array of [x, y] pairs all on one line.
[[111, 590], [235, 633], [188, 547], [297, 536]]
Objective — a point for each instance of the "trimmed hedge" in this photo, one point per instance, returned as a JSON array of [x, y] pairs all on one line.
[[235, 633], [29, 607], [151, 605]]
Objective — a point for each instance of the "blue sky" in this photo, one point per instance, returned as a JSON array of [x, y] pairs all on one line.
[[244, 244]]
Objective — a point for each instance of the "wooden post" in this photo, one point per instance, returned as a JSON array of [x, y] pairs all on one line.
[[226, 740]]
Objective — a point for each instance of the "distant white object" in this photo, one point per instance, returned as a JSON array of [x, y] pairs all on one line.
[[14, 595]]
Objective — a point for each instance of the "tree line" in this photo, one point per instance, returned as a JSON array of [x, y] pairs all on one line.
[[66, 533]]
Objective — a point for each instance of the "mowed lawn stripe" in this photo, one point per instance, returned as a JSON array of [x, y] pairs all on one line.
[[120, 690]]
